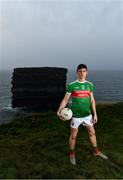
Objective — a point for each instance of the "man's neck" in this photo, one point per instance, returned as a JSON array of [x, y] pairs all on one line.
[[81, 80]]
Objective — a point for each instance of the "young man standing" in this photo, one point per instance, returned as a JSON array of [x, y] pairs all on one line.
[[84, 110]]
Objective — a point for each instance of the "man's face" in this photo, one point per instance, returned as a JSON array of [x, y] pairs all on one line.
[[82, 73]]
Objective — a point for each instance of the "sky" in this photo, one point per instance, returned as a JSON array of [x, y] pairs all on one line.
[[61, 33]]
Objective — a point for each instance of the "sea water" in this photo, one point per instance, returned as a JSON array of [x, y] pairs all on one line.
[[108, 88]]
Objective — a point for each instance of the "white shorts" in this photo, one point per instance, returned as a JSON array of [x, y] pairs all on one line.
[[86, 121]]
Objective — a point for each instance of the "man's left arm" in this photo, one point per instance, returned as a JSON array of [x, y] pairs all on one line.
[[93, 106]]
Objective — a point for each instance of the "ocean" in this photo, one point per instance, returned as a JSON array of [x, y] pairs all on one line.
[[108, 89]]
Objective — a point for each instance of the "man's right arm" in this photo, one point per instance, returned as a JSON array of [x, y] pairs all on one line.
[[63, 104]]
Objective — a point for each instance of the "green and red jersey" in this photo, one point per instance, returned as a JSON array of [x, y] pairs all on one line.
[[80, 94]]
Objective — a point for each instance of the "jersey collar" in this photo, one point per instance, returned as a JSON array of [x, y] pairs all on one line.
[[81, 81]]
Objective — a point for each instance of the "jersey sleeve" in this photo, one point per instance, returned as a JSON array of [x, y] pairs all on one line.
[[92, 88], [69, 89]]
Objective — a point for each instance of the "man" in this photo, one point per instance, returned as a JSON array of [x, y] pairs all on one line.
[[84, 110]]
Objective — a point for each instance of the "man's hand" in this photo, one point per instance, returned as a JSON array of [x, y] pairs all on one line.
[[94, 119], [59, 115]]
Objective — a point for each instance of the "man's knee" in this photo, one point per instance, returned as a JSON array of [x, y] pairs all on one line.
[[91, 133], [73, 137]]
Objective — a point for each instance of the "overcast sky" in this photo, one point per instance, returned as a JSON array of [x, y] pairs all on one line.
[[61, 33]]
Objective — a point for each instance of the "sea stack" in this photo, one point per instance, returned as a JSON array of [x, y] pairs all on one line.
[[40, 88]]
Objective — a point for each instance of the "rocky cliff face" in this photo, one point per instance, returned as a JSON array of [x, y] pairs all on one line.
[[39, 88]]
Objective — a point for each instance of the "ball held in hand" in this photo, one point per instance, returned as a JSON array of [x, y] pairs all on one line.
[[66, 113]]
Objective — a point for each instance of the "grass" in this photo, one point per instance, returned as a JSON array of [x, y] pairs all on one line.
[[36, 147]]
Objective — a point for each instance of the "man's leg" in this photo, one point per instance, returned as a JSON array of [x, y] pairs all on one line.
[[72, 139], [72, 142], [93, 140], [92, 135]]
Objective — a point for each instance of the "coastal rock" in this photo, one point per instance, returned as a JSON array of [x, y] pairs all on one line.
[[38, 88]]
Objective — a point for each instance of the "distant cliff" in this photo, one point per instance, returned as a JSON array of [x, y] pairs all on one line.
[[38, 88]]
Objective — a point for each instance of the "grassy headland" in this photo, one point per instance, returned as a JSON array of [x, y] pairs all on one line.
[[36, 147]]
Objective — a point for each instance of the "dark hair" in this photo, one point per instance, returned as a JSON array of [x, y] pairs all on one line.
[[80, 66]]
